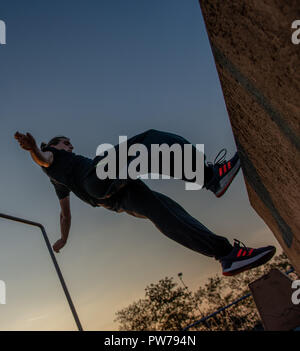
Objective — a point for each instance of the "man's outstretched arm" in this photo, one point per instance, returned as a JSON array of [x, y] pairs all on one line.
[[28, 143]]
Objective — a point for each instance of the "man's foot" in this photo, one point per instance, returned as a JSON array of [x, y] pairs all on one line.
[[223, 173], [242, 258]]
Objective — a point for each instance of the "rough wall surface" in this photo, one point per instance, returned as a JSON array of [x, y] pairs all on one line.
[[259, 70]]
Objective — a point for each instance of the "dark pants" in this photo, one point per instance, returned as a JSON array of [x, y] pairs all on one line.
[[137, 199]]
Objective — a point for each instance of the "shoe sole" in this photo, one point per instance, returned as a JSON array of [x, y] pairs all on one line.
[[223, 191], [263, 259]]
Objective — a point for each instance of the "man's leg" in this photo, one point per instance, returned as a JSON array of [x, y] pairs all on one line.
[[173, 221], [153, 136], [170, 218], [217, 176]]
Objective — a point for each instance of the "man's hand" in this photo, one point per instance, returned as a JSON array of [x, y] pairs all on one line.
[[26, 142], [59, 245]]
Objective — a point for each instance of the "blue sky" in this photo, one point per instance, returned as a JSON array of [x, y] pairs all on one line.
[[94, 70]]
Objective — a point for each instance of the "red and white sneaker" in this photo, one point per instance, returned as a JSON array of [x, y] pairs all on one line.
[[242, 258], [223, 173]]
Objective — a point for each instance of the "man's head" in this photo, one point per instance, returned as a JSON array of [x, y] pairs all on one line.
[[59, 143]]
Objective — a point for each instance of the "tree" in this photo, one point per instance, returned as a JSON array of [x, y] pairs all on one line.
[[167, 306]]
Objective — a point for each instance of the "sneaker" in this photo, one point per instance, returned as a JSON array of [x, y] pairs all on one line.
[[223, 173], [242, 258]]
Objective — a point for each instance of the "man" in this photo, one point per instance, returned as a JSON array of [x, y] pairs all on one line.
[[76, 173]]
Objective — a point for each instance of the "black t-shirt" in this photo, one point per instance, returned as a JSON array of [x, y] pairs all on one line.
[[67, 173]]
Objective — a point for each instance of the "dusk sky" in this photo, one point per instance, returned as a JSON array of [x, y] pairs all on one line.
[[94, 70]]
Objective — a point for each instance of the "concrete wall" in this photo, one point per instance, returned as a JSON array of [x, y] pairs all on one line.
[[259, 70]]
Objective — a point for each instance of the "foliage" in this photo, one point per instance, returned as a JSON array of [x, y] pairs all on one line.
[[167, 306]]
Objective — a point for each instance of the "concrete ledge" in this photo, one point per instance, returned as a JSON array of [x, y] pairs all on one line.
[[258, 67]]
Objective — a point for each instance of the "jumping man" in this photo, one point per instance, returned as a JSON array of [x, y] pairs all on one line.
[[71, 172]]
